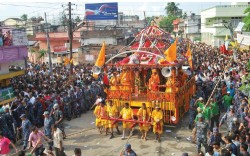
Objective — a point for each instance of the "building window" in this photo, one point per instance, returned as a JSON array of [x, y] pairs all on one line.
[[235, 21]]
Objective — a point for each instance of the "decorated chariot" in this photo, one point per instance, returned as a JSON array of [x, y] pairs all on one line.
[[148, 76]]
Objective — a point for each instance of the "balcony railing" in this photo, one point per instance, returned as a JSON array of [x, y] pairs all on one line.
[[13, 53]]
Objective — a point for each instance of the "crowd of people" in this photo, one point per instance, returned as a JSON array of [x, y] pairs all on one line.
[[222, 98], [45, 101]]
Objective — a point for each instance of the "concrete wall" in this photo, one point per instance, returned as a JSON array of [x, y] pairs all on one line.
[[43, 44], [4, 68], [56, 35], [102, 33], [192, 27], [224, 11], [107, 40], [12, 22]]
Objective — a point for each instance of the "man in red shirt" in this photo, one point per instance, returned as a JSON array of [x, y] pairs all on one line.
[[4, 145]]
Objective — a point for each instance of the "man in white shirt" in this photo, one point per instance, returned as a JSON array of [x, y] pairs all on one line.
[[58, 141]]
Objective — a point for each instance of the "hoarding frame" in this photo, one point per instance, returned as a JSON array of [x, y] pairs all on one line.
[[101, 11]]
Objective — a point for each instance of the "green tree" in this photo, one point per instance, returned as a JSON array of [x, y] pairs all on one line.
[[78, 19], [24, 17], [42, 53], [173, 9], [173, 12], [246, 19], [167, 23]]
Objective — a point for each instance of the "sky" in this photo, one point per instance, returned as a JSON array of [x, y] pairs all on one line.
[[54, 8]]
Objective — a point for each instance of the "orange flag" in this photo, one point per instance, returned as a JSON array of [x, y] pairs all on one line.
[[66, 61], [101, 57], [189, 55], [171, 52]]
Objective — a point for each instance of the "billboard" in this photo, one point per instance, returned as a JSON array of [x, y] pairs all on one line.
[[13, 37], [101, 11], [19, 37]]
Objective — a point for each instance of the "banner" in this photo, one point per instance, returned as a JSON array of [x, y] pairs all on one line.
[[60, 48], [101, 11], [14, 37], [19, 37], [6, 94]]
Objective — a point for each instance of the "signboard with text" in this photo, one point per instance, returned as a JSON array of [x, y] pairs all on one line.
[[14, 37], [59, 48], [19, 37]]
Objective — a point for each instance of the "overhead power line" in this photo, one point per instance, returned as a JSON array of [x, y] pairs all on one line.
[[29, 6]]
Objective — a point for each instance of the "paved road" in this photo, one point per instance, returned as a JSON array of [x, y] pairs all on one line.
[[83, 134], [94, 144]]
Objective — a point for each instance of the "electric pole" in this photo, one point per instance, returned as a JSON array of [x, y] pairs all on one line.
[[70, 34], [146, 23], [48, 44]]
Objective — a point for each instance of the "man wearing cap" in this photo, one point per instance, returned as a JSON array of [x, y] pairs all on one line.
[[215, 137], [57, 116], [202, 129], [126, 114], [228, 117], [128, 151], [156, 119], [26, 128], [112, 113], [227, 99], [48, 124], [144, 114]]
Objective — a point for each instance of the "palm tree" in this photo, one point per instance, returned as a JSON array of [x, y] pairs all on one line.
[[32, 54], [173, 9], [42, 53]]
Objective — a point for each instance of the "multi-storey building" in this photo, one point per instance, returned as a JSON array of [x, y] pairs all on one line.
[[213, 21]]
